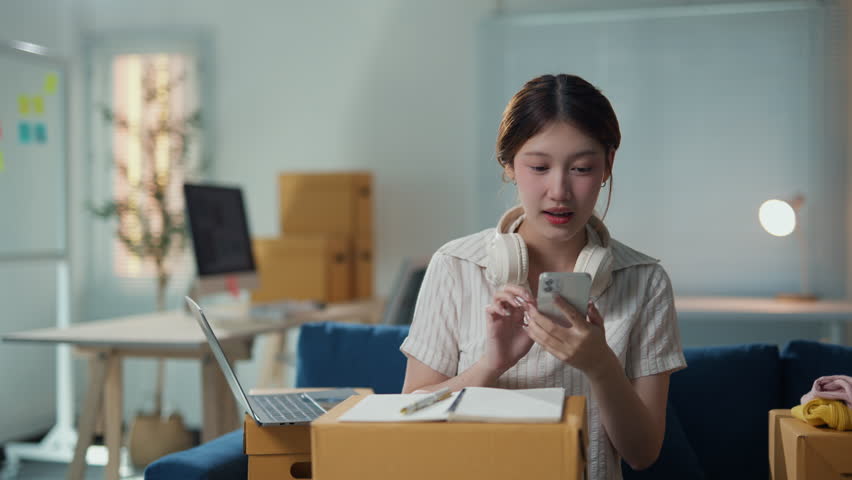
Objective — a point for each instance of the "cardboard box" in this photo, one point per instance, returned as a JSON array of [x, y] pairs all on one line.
[[303, 267], [434, 451], [799, 451], [339, 203], [280, 452]]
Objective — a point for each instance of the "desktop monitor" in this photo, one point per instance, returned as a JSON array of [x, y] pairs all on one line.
[[220, 237]]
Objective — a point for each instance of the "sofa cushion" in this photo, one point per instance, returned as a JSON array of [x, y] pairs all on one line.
[[677, 459], [804, 361], [219, 459], [334, 354], [722, 400]]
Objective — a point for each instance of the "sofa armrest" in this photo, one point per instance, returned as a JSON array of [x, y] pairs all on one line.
[[219, 459]]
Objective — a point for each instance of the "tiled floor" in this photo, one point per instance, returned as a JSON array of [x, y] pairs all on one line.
[[56, 471]]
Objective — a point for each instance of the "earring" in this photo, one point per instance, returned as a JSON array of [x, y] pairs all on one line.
[[603, 184], [514, 182]]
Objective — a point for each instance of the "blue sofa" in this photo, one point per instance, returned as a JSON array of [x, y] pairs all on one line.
[[717, 416]]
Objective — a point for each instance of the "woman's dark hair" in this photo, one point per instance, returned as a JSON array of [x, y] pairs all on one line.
[[557, 98], [550, 98]]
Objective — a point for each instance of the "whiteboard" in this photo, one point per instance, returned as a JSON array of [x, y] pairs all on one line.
[[721, 108], [33, 160]]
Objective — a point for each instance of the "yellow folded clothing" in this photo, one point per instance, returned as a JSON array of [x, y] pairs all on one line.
[[819, 411]]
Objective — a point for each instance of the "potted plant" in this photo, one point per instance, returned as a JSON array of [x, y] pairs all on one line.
[[150, 218]]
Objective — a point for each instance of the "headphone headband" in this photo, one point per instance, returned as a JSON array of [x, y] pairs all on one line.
[[508, 262]]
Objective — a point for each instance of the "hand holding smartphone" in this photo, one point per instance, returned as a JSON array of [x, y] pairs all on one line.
[[574, 287]]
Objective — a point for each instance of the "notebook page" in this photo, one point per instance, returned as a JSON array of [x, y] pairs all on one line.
[[534, 405], [386, 408]]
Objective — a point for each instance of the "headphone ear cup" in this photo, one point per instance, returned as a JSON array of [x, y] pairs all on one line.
[[507, 260]]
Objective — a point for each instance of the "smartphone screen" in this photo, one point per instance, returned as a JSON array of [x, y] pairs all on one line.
[[574, 287]]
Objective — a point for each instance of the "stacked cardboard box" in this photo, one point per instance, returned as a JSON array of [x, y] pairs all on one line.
[[302, 267], [280, 452], [799, 451], [325, 249], [438, 450], [332, 450]]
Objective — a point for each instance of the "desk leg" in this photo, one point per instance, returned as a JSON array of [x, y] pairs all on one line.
[[272, 368], [86, 428], [219, 409], [113, 415], [233, 416]]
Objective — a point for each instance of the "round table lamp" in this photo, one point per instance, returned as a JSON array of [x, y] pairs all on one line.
[[780, 218]]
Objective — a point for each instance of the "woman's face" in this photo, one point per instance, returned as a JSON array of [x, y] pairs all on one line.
[[559, 173]]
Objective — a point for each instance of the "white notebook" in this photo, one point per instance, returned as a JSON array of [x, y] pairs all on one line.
[[477, 404]]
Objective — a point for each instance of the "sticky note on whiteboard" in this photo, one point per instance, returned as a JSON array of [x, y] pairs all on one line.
[[40, 132], [37, 103], [23, 104], [24, 132], [51, 81]]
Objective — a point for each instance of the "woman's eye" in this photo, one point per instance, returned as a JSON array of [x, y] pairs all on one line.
[[538, 168], [581, 170]]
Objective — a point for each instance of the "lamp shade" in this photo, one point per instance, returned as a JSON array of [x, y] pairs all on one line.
[[777, 217]]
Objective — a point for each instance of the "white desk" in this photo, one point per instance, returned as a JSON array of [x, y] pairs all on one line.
[[173, 334], [835, 313]]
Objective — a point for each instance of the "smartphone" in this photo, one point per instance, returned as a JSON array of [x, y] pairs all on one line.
[[574, 287]]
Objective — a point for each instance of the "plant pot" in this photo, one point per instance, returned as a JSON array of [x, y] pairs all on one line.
[[153, 436]]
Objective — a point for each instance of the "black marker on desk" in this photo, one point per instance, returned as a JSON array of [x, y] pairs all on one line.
[[456, 401], [424, 402]]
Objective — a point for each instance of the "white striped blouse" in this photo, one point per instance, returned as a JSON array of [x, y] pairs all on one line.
[[448, 329]]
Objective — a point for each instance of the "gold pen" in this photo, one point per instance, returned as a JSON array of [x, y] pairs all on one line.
[[424, 402]]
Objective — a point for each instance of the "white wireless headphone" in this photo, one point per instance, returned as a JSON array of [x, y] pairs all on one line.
[[508, 261]]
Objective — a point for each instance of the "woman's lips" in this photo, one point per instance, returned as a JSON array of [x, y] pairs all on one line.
[[558, 219]]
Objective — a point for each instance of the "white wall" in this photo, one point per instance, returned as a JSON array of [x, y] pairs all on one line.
[[720, 109], [379, 85], [383, 85], [562, 5]]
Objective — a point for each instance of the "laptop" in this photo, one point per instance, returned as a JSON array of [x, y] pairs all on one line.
[[272, 409]]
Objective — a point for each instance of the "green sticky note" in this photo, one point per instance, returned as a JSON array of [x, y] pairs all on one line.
[[51, 81], [38, 104], [2, 165], [24, 133], [23, 104]]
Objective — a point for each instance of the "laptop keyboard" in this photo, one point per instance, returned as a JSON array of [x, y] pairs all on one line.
[[287, 408]]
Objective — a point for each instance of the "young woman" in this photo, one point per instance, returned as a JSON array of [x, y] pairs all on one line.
[[476, 322]]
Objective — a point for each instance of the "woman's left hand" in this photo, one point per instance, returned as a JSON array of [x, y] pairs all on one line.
[[581, 343]]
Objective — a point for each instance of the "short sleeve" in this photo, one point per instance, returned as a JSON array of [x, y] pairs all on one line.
[[433, 337], [655, 345]]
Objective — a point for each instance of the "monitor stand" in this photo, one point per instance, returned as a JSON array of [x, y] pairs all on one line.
[[234, 284]]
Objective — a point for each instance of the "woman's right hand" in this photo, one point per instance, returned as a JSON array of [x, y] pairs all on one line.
[[507, 341]]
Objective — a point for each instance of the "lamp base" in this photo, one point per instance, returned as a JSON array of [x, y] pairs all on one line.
[[796, 297]]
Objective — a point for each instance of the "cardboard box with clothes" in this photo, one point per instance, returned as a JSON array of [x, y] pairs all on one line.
[[799, 451]]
